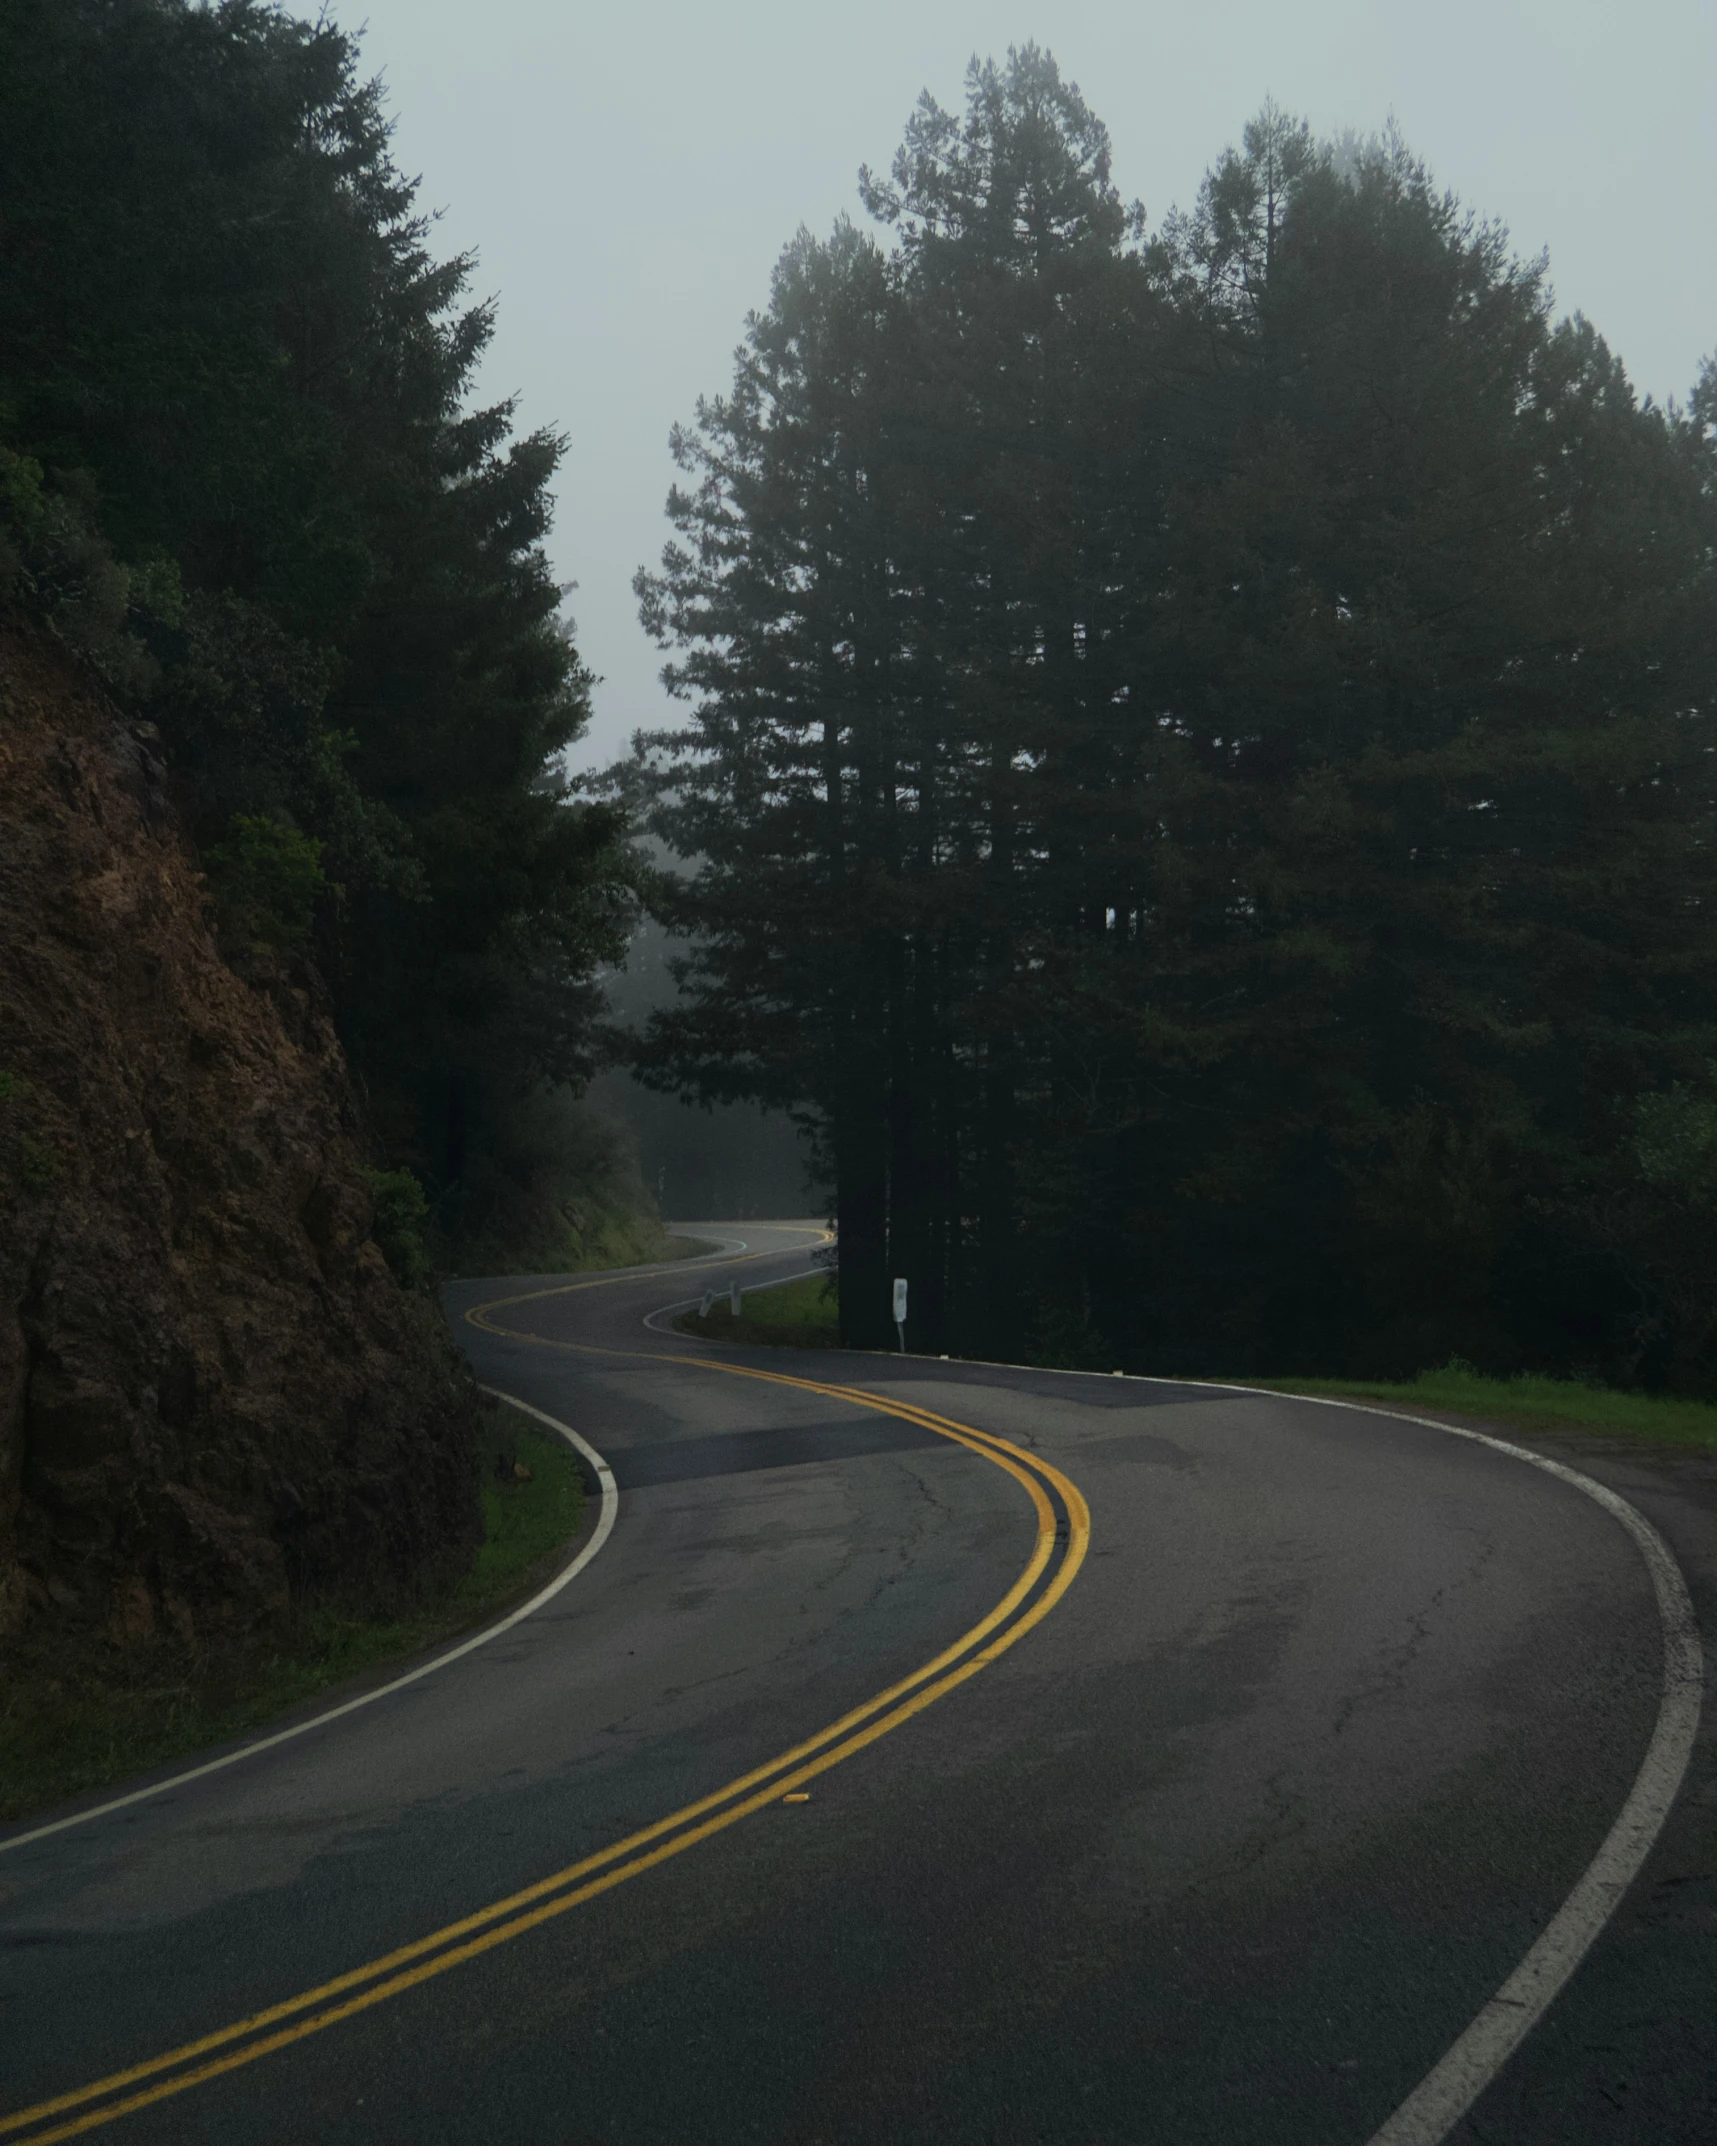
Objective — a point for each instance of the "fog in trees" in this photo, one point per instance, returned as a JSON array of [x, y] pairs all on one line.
[[1196, 758]]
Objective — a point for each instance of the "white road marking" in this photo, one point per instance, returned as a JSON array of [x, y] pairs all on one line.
[[599, 1535], [1449, 2089], [1445, 2094], [1457, 2080], [728, 1247]]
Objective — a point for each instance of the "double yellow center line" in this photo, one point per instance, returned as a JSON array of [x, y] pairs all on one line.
[[1063, 1534]]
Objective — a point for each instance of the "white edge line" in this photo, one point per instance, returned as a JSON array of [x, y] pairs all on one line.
[[1452, 2085], [1445, 2094], [599, 1535]]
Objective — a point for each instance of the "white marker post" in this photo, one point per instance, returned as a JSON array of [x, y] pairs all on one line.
[[900, 1311], [733, 1300]]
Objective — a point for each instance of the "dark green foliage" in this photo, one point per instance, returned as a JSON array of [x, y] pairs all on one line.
[[268, 878], [1200, 752], [240, 473], [556, 1187], [56, 561], [401, 1217]]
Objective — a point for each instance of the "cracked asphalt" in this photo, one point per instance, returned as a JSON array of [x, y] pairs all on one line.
[[1229, 1847]]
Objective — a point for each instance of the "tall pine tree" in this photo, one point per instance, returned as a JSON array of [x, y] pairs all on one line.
[[246, 475], [1198, 770]]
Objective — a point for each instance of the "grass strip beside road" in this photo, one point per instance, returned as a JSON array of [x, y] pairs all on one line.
[[525, 1524], [1527, 1403], [806, 1315], [796, 1315], [63, 1732]]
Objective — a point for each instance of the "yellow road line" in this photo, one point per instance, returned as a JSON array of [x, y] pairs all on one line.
[[854, 1732]]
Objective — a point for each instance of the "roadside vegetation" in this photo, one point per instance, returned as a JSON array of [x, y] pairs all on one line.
[[798, 1315], [1528, 1404], [1215, 831], [806, 1315], [556, 1190], [68, 1726]]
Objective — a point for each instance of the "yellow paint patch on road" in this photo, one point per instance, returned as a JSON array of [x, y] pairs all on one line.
[[1024, 1605]]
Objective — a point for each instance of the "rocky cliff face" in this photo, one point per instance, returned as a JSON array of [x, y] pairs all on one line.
[[213, 1394]]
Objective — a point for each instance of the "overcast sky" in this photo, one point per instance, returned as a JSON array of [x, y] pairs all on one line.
[[629, 174]]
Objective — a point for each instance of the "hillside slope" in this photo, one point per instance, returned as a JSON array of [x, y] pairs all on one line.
[[214, 1398]]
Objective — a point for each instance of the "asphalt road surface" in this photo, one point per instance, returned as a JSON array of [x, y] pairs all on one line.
[[852, 1792]]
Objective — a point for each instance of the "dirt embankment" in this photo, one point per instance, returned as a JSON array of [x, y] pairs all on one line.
[[214, 1398]]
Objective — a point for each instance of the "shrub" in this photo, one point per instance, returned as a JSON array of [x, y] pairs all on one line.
[[401, 1211], [267, 878]]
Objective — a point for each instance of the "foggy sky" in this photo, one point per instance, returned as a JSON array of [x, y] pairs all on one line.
[[629, 175]]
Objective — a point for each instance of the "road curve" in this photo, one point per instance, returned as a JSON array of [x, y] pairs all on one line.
[[854, 1793]]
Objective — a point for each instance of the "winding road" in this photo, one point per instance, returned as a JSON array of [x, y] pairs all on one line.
[[938, 1753]]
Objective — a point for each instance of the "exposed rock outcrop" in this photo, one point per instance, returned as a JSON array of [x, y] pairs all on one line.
[[213, 1394]]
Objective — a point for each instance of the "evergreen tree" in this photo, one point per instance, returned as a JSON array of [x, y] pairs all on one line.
[[871, 567], [1425, 902], [1198, 765], [781, 589], [247, 479]]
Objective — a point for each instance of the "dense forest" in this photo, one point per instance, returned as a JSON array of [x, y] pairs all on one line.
[[1199, 768], [1197, 787], [243, 475]]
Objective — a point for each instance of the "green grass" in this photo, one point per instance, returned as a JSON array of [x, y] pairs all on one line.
[[66, 1729], [804, 1315], [1529, 1404], [797, 1315], [523, 1523]]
